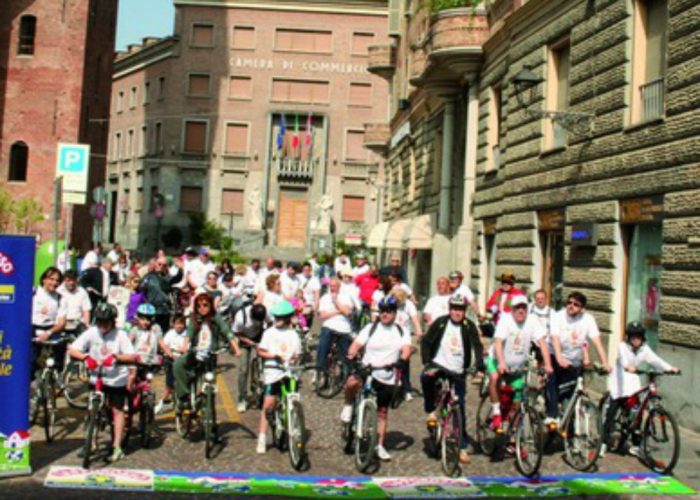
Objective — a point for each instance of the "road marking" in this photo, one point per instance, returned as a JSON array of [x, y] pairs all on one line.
[[227, 399]]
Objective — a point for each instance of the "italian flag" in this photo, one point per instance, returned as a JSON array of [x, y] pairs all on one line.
[[295, 137]]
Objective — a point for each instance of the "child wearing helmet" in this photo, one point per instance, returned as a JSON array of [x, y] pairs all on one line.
[[279, 344], [146, 335], [623, 381], [105, 345]]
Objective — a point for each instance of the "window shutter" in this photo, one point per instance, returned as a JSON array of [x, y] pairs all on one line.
[[353, 208], [199, 85], [232, 201], [236, 138], [354, 149], [360, 94], [195, 137], [190, 199]]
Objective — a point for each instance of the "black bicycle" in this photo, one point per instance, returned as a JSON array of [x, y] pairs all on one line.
[[44, 390], [330, 381], [446, 432]]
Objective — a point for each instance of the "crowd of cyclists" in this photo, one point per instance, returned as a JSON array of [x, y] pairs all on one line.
[[182, 311]]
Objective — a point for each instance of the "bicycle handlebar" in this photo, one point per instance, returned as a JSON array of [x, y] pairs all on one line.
[[654, 373]]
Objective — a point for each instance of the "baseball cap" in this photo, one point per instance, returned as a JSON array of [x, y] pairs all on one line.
[[203, 251], [518, 300]]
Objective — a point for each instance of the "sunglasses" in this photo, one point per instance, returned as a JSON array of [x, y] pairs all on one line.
[[520, 306], [382, 311], [200, 304], [574, 303]]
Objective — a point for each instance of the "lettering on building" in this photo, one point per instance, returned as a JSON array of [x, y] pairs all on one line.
[[287, 65]]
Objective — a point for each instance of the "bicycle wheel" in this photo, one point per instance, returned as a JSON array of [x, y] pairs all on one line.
[[35, 402], [146, 421], [49, 405], [257, 387], [347, 433], [90, 439], [366, 439], [329, 382], [451, 442], [297, 435], [485, 436], [209, 423], [529, 442], [75, 385], [183, 422], [661, 444], [582, 438]]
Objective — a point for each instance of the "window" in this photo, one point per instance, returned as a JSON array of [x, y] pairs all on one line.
[[232, 201], [27, 34], [19, 159], [117, 151], [198, 85], [143, 141], [361, 43], [240, 87], [312, 92], [493, 153], [648, 60], [158, 138], [236, 138], [120, 101], [304, 41], [161, 87], [202, 35], [353, 208], [557, 96], [437, 158], [195, 137], [190, 199], [360, 94], [139, 200], [244, 37], [129, 144], [132, 97], [147, 93], [354, 148], [550, 224]]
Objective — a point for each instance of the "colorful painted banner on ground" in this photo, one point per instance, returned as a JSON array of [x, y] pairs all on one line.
[[16, 276], [235, 483]]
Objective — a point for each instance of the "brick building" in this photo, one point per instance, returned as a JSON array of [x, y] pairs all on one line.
[[55, 79], [196, 119]]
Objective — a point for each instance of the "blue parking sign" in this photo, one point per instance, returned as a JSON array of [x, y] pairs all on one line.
[[73, 164]]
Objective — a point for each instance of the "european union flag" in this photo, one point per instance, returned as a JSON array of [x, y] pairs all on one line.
[[281, 133]]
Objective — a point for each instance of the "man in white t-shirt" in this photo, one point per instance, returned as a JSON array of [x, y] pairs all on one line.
[[311, 289], [571, 328], [362, 266], [92, 258], [438, 305], [457, 287], [334, 309], [76, 302], [342, 264], [290, 280], [199, 269], [386, 344]]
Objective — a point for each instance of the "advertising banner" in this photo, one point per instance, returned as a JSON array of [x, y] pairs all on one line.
[[16, 274]]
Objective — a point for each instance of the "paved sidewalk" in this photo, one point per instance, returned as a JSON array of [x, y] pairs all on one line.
[[688, 468]]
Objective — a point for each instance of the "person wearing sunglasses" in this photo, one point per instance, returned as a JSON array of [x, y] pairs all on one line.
[[571, 328]]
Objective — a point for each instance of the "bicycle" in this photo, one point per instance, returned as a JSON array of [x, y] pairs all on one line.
[[256, 383], [446, 433], [287, 419], [75, 379], [329, 381], [143, 400], [580, 426], [45, 389], [521, 425], [202, 405], [643, 413]]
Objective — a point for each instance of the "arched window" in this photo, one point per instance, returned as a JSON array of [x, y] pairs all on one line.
[[19, 157], [27, 33]]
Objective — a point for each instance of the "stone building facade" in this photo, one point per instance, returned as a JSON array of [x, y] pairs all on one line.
[[589, 180], [55, 69], [252, 114]]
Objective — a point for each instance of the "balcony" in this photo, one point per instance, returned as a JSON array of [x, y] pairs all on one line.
[[382, 60], [377, 137], [358, 170], [296, 169]]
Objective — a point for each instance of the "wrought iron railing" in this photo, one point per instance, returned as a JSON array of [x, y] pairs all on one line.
[[296, 168], [652, 98]]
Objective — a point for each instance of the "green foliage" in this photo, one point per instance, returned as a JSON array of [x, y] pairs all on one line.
[[214, 237], [19, 216], [197, 221], [440, 5]]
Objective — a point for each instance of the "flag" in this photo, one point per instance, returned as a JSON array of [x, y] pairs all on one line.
[[295, 137], [309, 138], [281, 133]]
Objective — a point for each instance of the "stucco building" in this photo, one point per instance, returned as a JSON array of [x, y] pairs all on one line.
[[252, 114], [55, 79]]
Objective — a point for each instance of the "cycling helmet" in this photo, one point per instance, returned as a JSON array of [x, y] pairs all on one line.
[[456, 275], [635, 329], [146, 311], [258, 312], [458, 301], [105, 312], [283, 309], [388, 304]]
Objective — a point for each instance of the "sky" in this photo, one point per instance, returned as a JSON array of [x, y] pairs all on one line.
[[140, 18]]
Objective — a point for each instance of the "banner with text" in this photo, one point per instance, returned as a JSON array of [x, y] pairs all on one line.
[[16, 274]]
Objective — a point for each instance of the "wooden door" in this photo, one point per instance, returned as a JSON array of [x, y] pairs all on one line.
[[293, 218]]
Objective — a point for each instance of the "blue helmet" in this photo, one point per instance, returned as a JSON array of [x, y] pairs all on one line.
[[146, 310], [283, 309], [388, 304]]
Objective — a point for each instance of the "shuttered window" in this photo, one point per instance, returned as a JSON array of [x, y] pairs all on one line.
[[353, 208], [198, 84], [360, 94], [300, 91], [304, 41], [243, 37], [240, 87], [202, 35], [354, 149], [232, 201], [195, 137], [236, 138], [190, 199], [361, 42]]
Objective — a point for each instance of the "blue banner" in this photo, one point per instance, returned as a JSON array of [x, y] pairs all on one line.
[[16, 276]]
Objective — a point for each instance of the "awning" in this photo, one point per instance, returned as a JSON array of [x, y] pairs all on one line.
[[395, 235], [377, 235], [419, 234]]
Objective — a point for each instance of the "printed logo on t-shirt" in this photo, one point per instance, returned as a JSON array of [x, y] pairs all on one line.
[[204, 342]]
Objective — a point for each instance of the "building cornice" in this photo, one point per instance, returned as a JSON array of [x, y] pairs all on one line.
[[129, 62], [360, 7]]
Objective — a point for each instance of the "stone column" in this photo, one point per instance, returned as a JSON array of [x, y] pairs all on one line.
[[448, 118]]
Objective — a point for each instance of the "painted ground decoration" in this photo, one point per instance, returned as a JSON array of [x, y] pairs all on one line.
[[363, 487]]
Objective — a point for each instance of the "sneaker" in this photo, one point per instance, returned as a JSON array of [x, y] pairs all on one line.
[[408, 397], [262, 444], [160, 407], [346, 414], [497, 423], [382, 454], [242, 407], [634, 451], [603, 450], [464, 457], [432, 419], [117, 455]]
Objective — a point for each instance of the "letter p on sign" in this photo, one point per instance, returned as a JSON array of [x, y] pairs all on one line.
[[72, 163]]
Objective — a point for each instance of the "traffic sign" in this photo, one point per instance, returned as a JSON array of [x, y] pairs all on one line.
[[73, 164]]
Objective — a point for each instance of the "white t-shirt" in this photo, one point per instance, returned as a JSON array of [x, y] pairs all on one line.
[[353, 291], [244, 325], [290, 285], [46, 308], [175, 341], [377, 297], [198, 271], [145, 342], [270, 300], [204, 339], [279, 342], [405, 314], [91, 259], [99, 347], [75, 304], [263, 273], [450, 355], [358, 270], [464, 291], [622, 383], [437, 305], [383, 348], [572, 333], [338, 323], [517, 339], [309, 287], [342, 267], [544, 317]]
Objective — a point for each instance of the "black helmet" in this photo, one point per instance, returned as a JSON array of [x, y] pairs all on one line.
[[458, 301], [388, 303], [105, 312], [635, 329]]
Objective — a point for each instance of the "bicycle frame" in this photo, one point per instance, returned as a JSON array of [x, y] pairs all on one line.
[[367, 392]]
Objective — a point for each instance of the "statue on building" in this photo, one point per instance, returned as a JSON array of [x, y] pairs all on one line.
[[324, 208], [255, 209]]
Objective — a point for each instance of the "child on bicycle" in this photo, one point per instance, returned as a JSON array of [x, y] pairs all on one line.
[[623, 382], [174, 346], [105, 345], [279, 344], [514, 334], [146, 335]]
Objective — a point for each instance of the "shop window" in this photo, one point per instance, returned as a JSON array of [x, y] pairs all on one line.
[[354, 145], [27, 35], [202, 35], [303, 91], [360, 94], [190, 199], [240, 87], [557, 97], [19, 161], [304, 41], [236, 138], [361, 43], [195, 136], [232, 201], [550, 224], [243, 37], [198, 85], [353, 209]]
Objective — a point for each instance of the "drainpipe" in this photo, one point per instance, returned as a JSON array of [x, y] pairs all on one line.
[[448, 119]]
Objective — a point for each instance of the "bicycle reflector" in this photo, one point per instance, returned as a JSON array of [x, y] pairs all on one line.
[[149, 376], [50, 363], [209, 377]]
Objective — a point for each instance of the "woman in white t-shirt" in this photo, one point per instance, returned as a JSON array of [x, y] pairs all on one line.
[[408, 319], [272, 294], [48, 316], [385, 286]]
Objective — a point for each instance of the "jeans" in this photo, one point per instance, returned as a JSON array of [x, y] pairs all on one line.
[[406, 376], [243, 371], [430, 394], [325, 340], [560, 385]]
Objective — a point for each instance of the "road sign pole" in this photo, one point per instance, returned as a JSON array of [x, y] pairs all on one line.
[[57, 183], [68, 228]]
